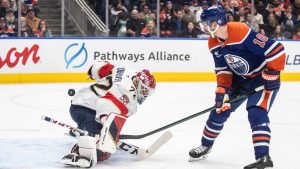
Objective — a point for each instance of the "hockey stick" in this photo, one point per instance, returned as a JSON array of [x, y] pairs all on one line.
[[125, 136], [129, 148]]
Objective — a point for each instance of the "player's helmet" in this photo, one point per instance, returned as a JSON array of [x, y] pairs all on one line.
[[146, 85], [214, 13]]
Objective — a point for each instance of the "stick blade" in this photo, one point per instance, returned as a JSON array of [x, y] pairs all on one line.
[[157, 145]]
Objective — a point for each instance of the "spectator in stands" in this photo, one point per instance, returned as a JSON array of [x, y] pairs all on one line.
[[35, 7], [165, 27], [254, 26], [194, 6], [149, 30], [43, 30], [296, 7], [296, 36], [179, 25], [289, 18], [115, 10], [204, 5], [230, 18], [240, 15], [270, 25], [278, 34], [269, 10], [262, 31], [134, 25], [297, 23], [121, 28], [5, 4], [190, 31], [188, 15], [246, 6], [146, 13], [140, 4], [169, 12], [14, 7], [25, 30], [11, 19], [32, 21], [258, 18], [260, 7], [228, 9], [4, 30], [24, 8]]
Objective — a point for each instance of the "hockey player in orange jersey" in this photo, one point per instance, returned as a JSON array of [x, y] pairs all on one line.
[[244, 60]]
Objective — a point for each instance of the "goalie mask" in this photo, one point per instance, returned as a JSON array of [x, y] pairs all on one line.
[[146, 85], [210, 15]]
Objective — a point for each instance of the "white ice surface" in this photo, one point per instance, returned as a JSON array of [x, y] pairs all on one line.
[[26, 142]]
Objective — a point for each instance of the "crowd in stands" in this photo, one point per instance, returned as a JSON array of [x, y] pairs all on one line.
[[279, 19], [30, 24]]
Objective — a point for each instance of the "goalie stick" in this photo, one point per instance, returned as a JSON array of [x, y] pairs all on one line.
[[125, 136], [129, 148]]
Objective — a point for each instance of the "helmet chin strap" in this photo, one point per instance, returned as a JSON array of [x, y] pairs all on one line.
[[212, 32]]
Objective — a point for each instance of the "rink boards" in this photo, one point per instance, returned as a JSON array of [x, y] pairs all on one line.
[[67, 60]]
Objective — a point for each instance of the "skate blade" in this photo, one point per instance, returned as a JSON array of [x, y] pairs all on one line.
[[191, 159], [67, 162]]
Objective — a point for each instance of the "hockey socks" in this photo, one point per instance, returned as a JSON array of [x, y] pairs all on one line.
[[211, 132], [261, 136]]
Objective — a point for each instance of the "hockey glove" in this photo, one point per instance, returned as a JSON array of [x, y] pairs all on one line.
[[271, 79], [222, 95]]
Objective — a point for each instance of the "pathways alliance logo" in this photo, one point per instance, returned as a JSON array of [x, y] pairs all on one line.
[[75, 55]]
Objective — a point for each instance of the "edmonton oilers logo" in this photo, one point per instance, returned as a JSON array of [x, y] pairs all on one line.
[[239, 65], [76, 55]]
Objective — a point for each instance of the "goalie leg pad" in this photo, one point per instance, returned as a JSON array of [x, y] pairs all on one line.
[[109, 136], [87, 151]]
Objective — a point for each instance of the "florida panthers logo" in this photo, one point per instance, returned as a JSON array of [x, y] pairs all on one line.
[[239, 65], [124, 99]]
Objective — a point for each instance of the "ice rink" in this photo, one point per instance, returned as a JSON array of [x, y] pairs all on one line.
[[27, 142]]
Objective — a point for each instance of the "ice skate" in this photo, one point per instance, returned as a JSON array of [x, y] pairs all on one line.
[[199, 153], [83, 162], [264, 162], [69, 159]]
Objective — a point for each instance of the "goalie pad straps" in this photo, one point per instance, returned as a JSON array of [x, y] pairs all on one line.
[[109, 136], [87, 148]]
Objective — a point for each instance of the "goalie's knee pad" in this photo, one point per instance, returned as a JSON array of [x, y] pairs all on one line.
[[109, 136], [87, 149]]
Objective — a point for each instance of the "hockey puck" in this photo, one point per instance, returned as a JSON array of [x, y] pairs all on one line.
[[71, 92]]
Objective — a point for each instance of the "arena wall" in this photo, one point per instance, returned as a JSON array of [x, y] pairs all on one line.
[[67, 60]]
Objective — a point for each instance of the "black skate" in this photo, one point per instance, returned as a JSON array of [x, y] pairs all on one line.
[[199, 153], [262, 163], [72, 157]]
